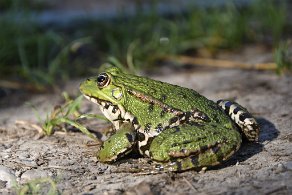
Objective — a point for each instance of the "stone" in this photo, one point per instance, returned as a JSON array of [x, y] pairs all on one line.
[[34, 174], [7, 177]]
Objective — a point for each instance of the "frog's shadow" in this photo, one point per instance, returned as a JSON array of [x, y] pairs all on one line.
[[268, 132]]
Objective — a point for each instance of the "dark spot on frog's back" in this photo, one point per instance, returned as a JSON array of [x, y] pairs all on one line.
[[178, 165], [195, 160], [216, 119], [204, 148], [174, 145], [220, 154], [163, 97], [162, 113], [188, 115], [196, 94], [214, 126], [174, 129], [213, 106], [173, 120], [193, 123], [159, 128], [147, 127], [152, 90], [186, 142], [135, 121], [216, 148], [130, 137], [183, 95], [141, 136], [151, 107]]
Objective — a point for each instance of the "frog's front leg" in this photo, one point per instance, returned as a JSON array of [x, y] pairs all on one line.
[[118, 145], [186, 147]]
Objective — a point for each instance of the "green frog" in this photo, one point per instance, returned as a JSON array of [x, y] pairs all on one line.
[[176, 127]]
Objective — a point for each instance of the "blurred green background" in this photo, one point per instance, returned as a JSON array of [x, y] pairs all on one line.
[[46, 42]]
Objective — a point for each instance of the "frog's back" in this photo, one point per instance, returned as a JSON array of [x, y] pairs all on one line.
[[224, 113], [163, 98]]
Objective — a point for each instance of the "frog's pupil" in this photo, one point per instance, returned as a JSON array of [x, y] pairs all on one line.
[[102, 80]]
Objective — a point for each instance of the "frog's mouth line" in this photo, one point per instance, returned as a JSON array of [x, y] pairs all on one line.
[[100, 102], [115, 113]]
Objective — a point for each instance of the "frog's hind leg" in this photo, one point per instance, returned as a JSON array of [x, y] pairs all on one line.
[[193, 147], [240, 116]]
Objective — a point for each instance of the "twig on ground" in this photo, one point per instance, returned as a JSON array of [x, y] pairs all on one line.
[[208, 62], [30, 124]]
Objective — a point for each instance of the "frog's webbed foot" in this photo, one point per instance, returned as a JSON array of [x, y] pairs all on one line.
[[241, 117]]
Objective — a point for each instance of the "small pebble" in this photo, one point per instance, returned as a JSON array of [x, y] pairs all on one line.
[[3, 184], [7, 176], [140, 189], [89, 188], [26, 159], [93, 177], [34, 174], [288, 165], [280, 168]]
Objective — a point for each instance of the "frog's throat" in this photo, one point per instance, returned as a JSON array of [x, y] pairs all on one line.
[[114, 113]]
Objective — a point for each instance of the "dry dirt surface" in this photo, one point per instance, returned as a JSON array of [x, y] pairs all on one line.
[[257, 168]]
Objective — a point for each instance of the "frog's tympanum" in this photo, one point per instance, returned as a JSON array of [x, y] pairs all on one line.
[[174, 126]]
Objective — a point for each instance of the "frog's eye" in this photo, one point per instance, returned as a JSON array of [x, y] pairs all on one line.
[[103, 80]]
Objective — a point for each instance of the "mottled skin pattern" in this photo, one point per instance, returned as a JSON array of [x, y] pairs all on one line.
[[174, 126]]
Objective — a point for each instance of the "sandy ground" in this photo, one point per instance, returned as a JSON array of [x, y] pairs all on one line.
[[261, 168]]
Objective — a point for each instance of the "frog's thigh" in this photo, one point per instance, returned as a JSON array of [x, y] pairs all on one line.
[[194, 147], [118, 145]]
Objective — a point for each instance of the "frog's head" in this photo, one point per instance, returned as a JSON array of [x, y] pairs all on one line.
[[102, 88], [105, 91]]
